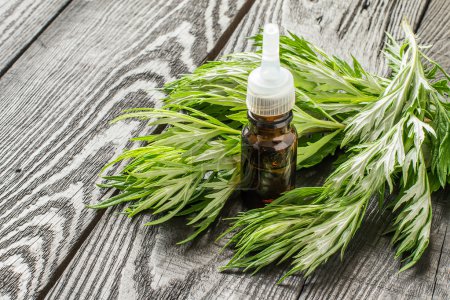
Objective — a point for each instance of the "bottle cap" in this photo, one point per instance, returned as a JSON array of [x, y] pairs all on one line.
[[270, 88]]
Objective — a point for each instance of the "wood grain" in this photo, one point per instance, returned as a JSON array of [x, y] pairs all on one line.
[[122, 258], [441, 287], [435, 30], [343, 28], [94, 60], [21, 22]]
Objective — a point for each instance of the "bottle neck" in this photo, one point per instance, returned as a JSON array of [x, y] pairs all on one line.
[[273, 125]]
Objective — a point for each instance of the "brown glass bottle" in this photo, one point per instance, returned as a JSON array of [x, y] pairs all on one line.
[[268, 161]]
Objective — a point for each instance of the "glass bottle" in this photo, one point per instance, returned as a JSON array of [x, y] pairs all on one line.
[[269, 141]]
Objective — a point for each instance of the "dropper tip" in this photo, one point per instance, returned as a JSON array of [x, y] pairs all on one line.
[[271, 28], [270, 63], [271, 37]]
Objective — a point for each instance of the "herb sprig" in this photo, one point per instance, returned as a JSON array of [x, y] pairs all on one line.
[[192, 168], [396, 132], [388, 135]]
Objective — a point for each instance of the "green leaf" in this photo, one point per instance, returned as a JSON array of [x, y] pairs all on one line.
[[440, 162], [314, 152]]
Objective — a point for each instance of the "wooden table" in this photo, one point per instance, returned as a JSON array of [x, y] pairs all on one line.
[[67, 67]]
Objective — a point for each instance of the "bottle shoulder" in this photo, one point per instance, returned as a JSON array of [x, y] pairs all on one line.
[[248, 130], [267, 141]]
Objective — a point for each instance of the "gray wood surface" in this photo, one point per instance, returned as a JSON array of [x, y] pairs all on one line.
[[95, 59], [121, 258], [343, 28], [21, 22]]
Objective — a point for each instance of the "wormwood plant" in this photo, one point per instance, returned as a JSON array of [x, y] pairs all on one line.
[[395, 131], [388, 140], [192, 167]]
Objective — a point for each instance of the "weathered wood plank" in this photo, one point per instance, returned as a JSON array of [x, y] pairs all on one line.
[[21, 22], [343, 28], [441, 287], [122, 258], [94, 60], [435, 30]]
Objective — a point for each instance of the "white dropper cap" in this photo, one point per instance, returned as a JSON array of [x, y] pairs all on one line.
[[270, 88]]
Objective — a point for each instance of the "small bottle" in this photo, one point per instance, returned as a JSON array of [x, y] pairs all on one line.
[[269, 141]]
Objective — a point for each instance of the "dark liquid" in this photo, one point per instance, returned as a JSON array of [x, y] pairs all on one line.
[[269, 152]]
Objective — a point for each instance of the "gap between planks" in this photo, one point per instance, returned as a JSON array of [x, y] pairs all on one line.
[[35, 37], [71, 254], [299, 290], [422, 15], [213, 54], [438, 264]]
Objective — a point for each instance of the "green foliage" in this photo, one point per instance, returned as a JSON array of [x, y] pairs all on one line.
[[318, 146], [440, 162], [395, 131], [192, 168], [388, 137]]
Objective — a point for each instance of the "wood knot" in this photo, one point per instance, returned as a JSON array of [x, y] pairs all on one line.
[[366, 4]]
